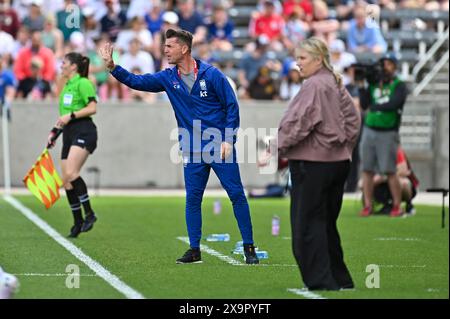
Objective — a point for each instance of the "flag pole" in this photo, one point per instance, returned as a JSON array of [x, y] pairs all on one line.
[[6, 162]]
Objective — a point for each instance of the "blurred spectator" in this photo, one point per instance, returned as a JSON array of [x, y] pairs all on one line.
[[409, 184], [387, 4], [202, 51], [23, 37], [90, 27], [113, 21], [170, 5], [220, 30], [52, 37], [22, 8], [7, 86], [7, 44], [251, 63], [9, 20], [140, 95], [207, 6], [154, 17], [137, 58], [339, 58], [412, 4], [270, 24], [35, 66], [363, 37], [34, 87], [344, 9], [260, 7], [291, 85], [53, 6], [300, 7], [287, 62], [69, 19], [323, 25], [99, 7], [138, 29], [138, 8], [35, 20], [77, 43], [96, 66], [263, 87], [170, 21], [295, 30], [433, 5], [191, 20]]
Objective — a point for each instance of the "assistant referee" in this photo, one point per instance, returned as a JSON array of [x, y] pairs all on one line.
[[77, 103]]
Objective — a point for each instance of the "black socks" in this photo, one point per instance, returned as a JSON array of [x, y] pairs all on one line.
[[75, 206], [80, 189]]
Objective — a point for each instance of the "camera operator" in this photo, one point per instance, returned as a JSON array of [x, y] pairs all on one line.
[[383, 100]]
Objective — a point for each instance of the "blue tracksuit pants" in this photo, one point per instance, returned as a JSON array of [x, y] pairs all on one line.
[[196, 176]]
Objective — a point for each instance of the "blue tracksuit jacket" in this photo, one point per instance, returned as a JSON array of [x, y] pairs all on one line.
[[211, 100]]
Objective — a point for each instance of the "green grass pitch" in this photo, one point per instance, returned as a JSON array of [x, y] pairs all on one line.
[[135, 238]]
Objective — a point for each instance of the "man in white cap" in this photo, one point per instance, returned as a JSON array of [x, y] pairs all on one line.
[[170, 21], [339, 57]]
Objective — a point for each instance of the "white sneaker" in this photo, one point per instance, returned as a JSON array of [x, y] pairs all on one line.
[[8, 285]]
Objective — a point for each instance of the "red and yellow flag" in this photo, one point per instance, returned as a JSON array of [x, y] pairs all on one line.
[[43, 180]]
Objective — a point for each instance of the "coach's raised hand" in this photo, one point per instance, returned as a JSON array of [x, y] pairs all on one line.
[[105, 53]]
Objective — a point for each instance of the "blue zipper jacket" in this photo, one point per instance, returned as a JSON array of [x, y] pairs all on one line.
[[211, 101]]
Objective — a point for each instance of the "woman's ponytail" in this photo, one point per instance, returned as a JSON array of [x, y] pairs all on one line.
[[82, 63], [83, 68]]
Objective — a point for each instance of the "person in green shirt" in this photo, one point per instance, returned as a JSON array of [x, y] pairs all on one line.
[[383, 102], [77, 103]]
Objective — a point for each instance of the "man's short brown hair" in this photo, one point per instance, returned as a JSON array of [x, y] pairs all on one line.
[[184, 36]]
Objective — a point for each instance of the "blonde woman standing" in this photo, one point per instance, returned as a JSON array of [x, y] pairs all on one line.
[[317, 134]]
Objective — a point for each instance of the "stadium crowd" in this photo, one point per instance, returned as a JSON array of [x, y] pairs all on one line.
[[36, 34]]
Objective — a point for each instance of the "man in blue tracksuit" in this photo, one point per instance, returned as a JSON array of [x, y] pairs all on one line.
[[207, 113]]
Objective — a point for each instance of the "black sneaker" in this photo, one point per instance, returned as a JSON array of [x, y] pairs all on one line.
[[250, 254], [191, 256], [75, 231], [88, 222], [410, 210]]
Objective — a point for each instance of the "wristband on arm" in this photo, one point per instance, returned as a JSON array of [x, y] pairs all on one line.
[[55, 133]]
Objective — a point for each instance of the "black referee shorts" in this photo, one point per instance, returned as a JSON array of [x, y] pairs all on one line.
[[80, 132]]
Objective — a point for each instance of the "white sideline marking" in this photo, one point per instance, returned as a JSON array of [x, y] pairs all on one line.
[[228, 259], [276, 265], [53, 275], [403, 266], [101, 271], [214, 253], [397, 239], [432, 290], [305, 293]]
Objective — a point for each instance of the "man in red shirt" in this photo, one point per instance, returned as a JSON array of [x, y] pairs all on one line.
[[269, 24], [291, 6], [34, 63]]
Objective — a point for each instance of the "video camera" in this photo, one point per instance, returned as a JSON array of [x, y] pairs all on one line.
[[373, 73]]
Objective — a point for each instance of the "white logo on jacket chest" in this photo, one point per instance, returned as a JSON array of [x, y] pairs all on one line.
[[203, 93], [202, 85]]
